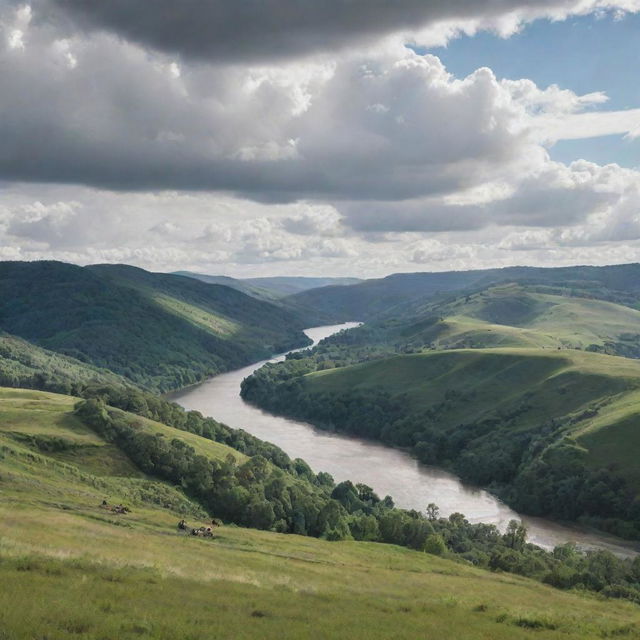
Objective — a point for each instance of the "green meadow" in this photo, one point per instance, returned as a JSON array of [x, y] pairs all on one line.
[[516, 315]]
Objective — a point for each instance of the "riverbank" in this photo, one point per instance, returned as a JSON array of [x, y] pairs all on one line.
[[389, 471]]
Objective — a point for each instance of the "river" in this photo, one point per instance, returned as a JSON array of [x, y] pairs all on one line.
[[389, 471]]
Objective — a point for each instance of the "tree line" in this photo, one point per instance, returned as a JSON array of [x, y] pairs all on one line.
[[259, 494]]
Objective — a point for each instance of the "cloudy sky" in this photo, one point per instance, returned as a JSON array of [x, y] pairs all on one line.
[[320, 137]]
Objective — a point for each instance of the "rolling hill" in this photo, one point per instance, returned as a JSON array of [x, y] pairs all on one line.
[[157, 330], [390, 296], [286, 286], [227, 281], [71, 568], [554, 432], [516, 315]]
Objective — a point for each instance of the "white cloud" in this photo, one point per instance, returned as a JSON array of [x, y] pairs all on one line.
[[362, 160]]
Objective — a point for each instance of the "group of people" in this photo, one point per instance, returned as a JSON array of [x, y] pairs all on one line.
[[205, 531]]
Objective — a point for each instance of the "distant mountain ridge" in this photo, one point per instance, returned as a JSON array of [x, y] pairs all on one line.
[[619, 283], [272, 287]]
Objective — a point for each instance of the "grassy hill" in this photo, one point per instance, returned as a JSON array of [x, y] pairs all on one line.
[[554, 432], [395, 295], [515, 315], [472, 385], [157, 330], [71, 569]]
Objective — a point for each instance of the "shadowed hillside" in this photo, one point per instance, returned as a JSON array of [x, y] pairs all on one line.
[[158, 330]]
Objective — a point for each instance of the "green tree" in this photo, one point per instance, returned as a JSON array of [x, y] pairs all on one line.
[[435, 545], [433, 512]]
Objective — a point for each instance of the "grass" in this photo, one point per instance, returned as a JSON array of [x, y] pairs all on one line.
[[24, 414], [613, 437], [514, 315], [215, 323], [208, 448], [70, 569]]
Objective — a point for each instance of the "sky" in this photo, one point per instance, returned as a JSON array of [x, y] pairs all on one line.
[[320, 137]]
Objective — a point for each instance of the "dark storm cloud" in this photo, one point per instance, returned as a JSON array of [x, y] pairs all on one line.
[[267, 29]]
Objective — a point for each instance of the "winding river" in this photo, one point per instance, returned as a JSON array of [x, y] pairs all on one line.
[[389, 471]]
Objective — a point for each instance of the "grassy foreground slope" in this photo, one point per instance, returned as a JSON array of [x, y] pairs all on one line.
[[159, 331], [71, 569]]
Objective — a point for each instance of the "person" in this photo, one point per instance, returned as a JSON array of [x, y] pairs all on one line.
[[105, 503], [182, 525]]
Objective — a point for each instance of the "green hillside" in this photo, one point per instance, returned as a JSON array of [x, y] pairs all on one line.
[[157, 330], [26, 365], [287, 286], [73, 569], [234, 283], [271, 288], [219, 310], [525, 316], [554, 432]]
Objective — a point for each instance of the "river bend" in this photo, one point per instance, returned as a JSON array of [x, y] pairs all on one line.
[[389, 471]]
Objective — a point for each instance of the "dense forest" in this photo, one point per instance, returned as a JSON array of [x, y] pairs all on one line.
[[159, 331]]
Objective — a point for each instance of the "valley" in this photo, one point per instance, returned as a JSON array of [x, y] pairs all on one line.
[[390, 471], [377, 441]]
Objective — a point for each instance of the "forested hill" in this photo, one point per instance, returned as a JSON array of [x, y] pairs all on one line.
[[234, 283], [618, 283], [514, 387], [159, 331]]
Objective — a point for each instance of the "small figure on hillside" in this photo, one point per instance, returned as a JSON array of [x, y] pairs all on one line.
[[105, 503], [182, 525]]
